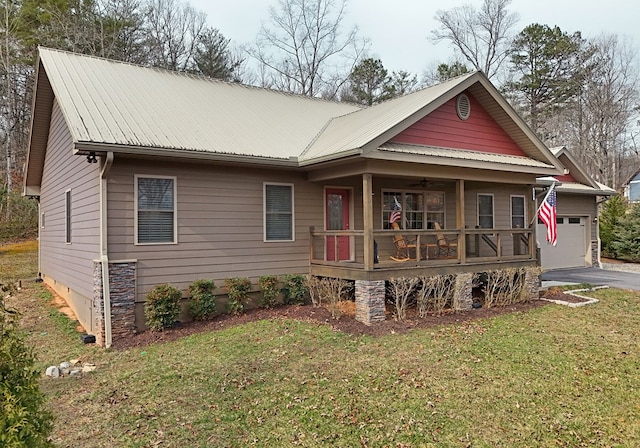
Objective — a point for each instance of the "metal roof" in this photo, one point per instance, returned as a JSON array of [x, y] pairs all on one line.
[[459, 154], [112, 102]]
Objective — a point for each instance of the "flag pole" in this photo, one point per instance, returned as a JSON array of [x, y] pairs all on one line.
[[535, 215]]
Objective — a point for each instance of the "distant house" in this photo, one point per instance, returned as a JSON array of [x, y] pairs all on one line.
[[631, 188], [578, 242], [147, 176]]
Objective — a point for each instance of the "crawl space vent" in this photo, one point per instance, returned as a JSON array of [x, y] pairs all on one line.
[[463, 106]]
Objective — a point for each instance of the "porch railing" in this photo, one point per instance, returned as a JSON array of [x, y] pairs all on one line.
[[426, 247]]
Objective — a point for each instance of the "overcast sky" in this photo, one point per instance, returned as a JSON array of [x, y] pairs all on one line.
[[399, 29]]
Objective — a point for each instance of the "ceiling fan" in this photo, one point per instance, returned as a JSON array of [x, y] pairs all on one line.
[[424, 183]]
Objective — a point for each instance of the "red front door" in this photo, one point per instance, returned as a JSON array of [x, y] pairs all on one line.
[[337, 212]]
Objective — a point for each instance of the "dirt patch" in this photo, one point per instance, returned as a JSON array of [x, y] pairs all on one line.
[[321, 316], [555, 293]]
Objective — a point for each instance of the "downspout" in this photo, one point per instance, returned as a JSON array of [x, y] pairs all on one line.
[[107, 162]]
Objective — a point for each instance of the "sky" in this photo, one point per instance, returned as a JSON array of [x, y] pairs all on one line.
[[399, 29]]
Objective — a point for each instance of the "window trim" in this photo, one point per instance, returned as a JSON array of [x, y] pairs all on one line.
[[524, 209], [135, 209], [264, 212], [493, 210], [67, 216], [425, 210]]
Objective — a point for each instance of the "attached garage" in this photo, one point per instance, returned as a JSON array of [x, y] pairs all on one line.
[[572, 245]]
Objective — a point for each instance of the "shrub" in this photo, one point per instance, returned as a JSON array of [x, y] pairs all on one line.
[[294, 289], [162, 306], [24, 421], [504, 287], [613, 212], [203, 301], [332, 290], [626, 243], [269, 287], [434, 294], [402, 291], [238, 291]]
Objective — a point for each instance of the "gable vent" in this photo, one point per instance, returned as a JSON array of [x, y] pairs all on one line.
[[463, 106]]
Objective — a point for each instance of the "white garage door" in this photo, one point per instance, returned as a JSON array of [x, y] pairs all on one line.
[[570, 249]]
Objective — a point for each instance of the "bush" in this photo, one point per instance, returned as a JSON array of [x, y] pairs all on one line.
[[238, 289], [613, 213], [294, 289], [18, 216], [24, 422], [162, 306], [626, 243], [269, 287], [203, 301], [402, 291]]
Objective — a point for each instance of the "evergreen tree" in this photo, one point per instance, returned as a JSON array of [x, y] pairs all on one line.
[[612, 213], [626, 242]]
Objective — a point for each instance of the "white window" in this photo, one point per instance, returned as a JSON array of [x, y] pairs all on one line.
[[67, 216], [485, 211], [412, 209], [518, 213], [278, 212], [155, 204]]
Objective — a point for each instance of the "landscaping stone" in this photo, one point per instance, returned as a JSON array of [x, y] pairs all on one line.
[[53, 371], [69, 368]]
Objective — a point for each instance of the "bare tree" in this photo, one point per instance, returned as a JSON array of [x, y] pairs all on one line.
[[481, 36], [606, 113], [303, 48]]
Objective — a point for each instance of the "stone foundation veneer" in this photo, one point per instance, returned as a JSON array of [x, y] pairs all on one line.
[[532, 283], [122, 290], [370, 295], [595, 254], [463, 292]]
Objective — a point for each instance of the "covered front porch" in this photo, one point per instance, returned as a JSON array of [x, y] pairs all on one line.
[[447, 225]]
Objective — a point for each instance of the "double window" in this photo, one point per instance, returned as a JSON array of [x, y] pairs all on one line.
[[155, 204], [412, 210], [278, 212]]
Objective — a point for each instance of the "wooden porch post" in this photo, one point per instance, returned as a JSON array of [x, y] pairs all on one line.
[[367, 219], [460, 221], [531, 210]]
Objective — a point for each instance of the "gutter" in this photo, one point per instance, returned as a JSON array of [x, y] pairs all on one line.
[[107, 162]]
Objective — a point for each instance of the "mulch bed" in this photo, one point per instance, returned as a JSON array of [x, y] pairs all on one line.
[[555, 293], [345, 323]]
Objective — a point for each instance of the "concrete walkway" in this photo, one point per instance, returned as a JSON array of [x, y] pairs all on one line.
[[624, 277]]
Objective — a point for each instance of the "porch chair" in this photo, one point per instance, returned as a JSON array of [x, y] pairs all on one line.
[[446, 246], [403, 246]]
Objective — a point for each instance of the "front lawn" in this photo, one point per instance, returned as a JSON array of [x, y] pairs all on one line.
[[552, 376]]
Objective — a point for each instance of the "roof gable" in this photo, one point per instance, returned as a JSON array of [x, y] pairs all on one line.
[[443, 128]]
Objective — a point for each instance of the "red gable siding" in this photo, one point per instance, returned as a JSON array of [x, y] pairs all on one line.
[[565, 178], [443, 128]]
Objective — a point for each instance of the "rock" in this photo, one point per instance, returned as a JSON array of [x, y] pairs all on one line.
[[88, 368], [75, 372], [65, 365], [53, 371], [74, 362]]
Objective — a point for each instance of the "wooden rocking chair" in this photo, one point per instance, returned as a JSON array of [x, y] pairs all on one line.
[[403, 246], [446, 247]]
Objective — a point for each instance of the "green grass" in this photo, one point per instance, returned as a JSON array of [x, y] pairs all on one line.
[[551, 377]]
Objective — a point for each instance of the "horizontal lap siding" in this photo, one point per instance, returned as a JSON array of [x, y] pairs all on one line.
[[579, 205], [444, 128], [69, 264], [220, 224]]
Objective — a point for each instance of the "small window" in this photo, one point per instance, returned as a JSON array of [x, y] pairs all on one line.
[[485, 211], [67, 216], [42, 220], [155, 204], [559, 220], [518, 217], [574, 220], [278, 212]]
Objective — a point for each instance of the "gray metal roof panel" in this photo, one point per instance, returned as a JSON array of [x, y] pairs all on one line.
[[112, 102]]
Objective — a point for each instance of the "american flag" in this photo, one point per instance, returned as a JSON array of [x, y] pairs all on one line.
[[396, 214], [547, 214]]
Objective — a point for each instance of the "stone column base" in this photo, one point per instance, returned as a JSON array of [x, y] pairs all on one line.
[[122, 291], [370, 305], [463, 292]]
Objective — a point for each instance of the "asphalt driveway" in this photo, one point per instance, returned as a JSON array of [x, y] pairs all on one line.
[[594, 276]]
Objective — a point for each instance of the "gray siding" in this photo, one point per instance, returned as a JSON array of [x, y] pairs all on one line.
[[220, 224], [579, 205], [69, 267]]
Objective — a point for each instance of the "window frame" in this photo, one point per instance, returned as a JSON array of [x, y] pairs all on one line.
[[67, 216], [136, 210], [493, 210], [425, 209], [264, 212], [524, 210]]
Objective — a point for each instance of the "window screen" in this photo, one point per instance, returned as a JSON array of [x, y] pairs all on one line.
[[278, 209], [156, 210]]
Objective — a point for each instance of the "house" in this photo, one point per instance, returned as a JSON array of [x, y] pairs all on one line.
[[578, 198], [147, 176], [631, 188]]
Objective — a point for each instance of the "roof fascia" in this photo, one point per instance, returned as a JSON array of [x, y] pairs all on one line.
[[563, 152], [84, 148]]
